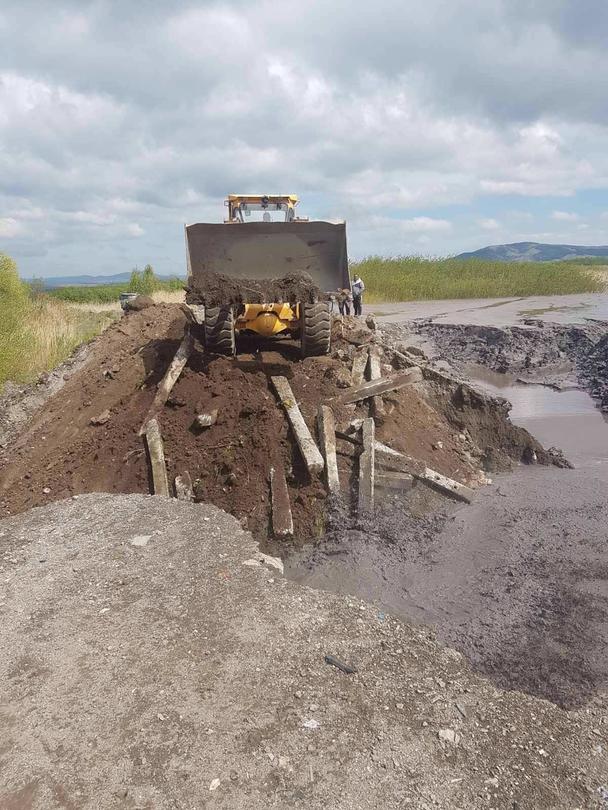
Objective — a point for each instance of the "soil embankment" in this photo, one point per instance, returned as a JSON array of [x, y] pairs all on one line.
[[68, 449]]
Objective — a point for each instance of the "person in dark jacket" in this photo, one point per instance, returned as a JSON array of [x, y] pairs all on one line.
[[344, 302]]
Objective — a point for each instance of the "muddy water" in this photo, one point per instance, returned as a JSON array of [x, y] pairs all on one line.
[[518, 580], [567, 419]]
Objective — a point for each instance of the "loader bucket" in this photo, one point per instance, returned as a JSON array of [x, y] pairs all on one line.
[[269, 250]]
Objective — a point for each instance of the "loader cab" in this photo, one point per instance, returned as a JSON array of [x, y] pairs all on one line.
[[244, 208]]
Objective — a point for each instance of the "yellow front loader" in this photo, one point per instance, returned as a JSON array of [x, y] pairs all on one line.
[[231, 265]]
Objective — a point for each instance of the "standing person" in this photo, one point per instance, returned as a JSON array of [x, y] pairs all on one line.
[[358, 287], [344, 302]]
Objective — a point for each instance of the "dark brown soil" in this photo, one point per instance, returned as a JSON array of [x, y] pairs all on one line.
[[215, 289], [63, 453]]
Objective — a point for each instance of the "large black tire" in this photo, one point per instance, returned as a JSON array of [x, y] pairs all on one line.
[[219, 330], [316, 329]]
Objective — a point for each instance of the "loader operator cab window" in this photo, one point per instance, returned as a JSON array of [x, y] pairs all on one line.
[[260, 212]]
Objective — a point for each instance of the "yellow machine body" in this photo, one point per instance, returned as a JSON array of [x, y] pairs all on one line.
[[263, 239], [268, 319]]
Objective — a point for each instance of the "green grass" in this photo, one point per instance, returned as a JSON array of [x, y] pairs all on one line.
[[37, 332], [412, 278], [108, 293], [589, 260]]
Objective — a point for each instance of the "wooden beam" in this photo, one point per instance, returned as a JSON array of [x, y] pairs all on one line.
[[326, 426], [400, 481], [347, 437], [374, 372], [400, 462], [309, 450], [183, 487], [359, 365], [170, 378], [375, 387], [446, 485], [366, 468], [282, 520], [154, 443]]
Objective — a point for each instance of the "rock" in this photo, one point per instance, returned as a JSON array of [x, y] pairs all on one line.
[[357, 334], [214, 784], [140, 540], [339, 375], [312, 724], [371, 322], [101, 418], [461, 708], [416, 351], [139, 303], [176, 402], [205, 420], [47, 490], [449, 736]]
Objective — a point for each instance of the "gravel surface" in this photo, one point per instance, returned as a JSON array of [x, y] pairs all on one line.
[[151, 661]]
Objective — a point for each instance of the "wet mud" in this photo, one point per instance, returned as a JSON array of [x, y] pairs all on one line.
[[517, 581], [216, 289]]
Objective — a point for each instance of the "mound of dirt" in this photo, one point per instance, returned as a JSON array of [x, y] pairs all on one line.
[[86, 438], [216, 289]]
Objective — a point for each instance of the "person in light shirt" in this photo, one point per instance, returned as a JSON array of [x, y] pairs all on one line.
[[358, 287]]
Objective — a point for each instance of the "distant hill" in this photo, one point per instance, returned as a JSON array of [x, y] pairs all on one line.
[[92, 281], [534, 252]]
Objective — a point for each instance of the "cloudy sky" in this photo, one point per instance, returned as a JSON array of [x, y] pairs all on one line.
[[430, 127]]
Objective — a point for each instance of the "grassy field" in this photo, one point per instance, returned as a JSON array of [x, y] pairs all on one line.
[[108, 293], [411, 278], [36, 331]]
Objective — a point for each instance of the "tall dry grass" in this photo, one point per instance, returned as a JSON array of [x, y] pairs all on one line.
[[57, 329], [37, 332], [412, 278]]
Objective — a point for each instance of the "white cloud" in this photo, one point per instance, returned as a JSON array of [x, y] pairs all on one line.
[[121, 122], [423, 224], [565, 216], [10, 228]]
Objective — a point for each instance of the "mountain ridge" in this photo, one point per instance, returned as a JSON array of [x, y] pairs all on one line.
[[535, 252], [92, 281]]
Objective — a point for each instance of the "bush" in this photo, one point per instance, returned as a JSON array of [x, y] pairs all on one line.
[[36, 331], [14, 306]]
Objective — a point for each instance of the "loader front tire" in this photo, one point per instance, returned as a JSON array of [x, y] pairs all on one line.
[[316, 329], [219, 330]]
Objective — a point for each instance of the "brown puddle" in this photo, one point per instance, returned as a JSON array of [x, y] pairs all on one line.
[[566, 419]]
